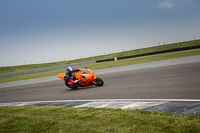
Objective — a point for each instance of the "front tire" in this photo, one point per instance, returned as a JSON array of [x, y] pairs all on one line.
[[98, 82]]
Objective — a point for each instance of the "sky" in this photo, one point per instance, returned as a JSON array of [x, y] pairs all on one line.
[[42, 31]]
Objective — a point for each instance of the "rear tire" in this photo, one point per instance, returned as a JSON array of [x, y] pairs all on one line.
[[98, 82], [74, 87]]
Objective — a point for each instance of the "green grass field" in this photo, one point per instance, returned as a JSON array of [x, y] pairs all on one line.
[[121, 54], [90, 120]]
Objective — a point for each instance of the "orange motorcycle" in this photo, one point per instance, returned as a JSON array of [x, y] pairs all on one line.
[[83, 78]]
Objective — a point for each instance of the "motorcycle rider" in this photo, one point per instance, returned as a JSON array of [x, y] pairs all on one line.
[[69, 77]]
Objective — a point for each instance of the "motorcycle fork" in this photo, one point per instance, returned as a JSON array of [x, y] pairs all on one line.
[[93, 79]]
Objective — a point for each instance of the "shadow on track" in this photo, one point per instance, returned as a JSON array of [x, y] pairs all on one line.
[[82, 88]]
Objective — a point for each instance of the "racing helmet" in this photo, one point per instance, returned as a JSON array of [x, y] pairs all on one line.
[[69, 69]]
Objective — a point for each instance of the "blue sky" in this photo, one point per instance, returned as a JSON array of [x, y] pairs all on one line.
[[37, 31]]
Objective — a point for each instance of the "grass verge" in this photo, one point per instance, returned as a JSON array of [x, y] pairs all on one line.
[[120, 54], [108, 64], [65, 119]]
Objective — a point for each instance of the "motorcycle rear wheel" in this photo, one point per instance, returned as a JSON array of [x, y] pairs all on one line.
[[98, 82], [74, 87]]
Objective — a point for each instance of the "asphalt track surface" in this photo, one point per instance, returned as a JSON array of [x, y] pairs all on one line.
[[180, 81]]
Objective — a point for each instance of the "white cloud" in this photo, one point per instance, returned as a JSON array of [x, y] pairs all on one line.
[[166, 5]]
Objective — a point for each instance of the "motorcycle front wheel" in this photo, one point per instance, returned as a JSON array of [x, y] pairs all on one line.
[[98, 82]]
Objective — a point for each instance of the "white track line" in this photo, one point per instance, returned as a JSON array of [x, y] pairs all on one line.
[[100, 103], [142, 105]]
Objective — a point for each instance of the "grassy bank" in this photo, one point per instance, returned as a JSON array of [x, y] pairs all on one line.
[[90, 120], [120, 54], [108, 64]]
